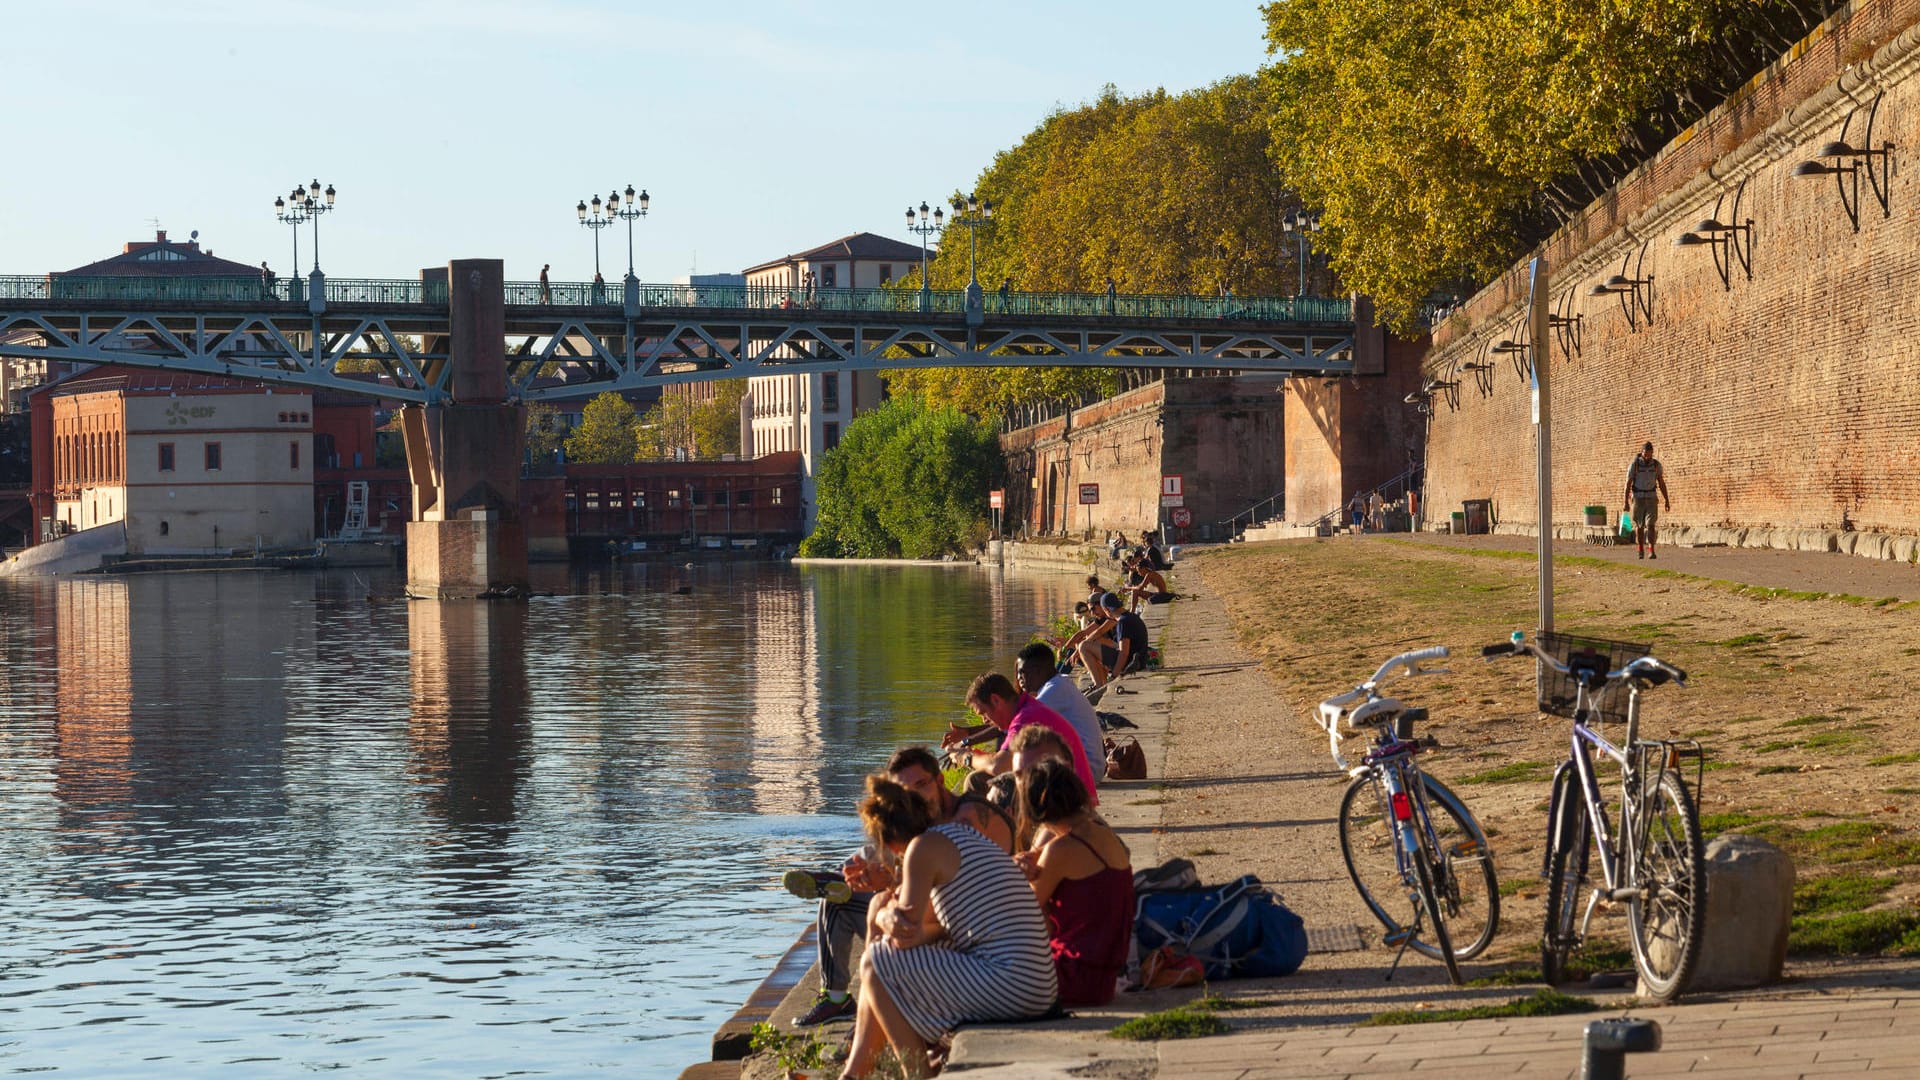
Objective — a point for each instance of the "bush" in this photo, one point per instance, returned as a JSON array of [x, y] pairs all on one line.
[[905, 480]]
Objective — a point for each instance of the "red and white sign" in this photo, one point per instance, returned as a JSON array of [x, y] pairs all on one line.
[[1089, 494], [996, 500], [1181, 518], [1171, 485]]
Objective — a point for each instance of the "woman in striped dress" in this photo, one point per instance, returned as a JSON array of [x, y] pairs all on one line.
[[962, 937]]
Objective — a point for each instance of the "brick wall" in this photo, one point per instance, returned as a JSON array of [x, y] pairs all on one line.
[[1789, 400], [1351, 435]]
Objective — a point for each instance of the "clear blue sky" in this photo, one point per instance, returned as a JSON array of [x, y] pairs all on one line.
[[470, 128]]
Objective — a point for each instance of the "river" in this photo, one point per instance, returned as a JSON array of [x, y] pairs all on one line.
[[263, 824]]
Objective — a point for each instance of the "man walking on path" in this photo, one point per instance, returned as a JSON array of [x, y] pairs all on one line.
[[1645, 478], [546, 290]]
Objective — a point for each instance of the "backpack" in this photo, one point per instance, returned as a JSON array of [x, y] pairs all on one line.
[[1237, 930]]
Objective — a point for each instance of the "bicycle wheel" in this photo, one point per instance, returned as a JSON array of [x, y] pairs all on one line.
[[1566, 868], [1464, 878], [1435, 918], [1369, 843], [1668, 921]]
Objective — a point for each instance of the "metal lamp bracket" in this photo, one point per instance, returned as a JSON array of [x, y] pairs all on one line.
[[1844, 162], [1635, 290], [1730, 238]]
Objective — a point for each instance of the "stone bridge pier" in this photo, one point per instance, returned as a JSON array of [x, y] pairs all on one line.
[[466, 538]]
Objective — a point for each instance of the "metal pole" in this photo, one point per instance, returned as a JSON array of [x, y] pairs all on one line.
[[1303, 262], [596, 250], [926, 287], [316, 239], [1541, 351], [629, 245], [973, 253]]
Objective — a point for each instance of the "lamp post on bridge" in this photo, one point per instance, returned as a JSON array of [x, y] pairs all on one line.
[[596, 219], [1300, 223], [303, 205], [973, 213], [636, 207], [925, 230]]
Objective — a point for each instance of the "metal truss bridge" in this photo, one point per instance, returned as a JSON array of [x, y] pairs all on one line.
[[569, 340]]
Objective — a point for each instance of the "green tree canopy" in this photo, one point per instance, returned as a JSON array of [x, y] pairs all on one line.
[[1162, 192], [677, 426], [1442, 140], [544, 433], [607, 432], [906, 480]]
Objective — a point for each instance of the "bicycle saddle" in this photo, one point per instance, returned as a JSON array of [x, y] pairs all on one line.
[[1403, 723]]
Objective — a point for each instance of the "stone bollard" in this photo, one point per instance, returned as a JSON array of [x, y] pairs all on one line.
[[1749, 911], [1603, 1052]]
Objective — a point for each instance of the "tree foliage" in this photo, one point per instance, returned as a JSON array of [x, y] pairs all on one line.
[[607, 433], [544, 431], [906, 480], [1162, 192], [1442, 140], [678, 427]]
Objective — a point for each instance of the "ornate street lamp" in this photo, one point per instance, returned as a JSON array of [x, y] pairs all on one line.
[[973, 213], [304, 204], [635, 207], [925, 230], [1300, 223]]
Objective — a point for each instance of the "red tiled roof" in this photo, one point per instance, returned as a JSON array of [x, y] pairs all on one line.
[[860, 245]]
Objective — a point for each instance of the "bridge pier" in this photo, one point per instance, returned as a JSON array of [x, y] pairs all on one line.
[[466, 538]]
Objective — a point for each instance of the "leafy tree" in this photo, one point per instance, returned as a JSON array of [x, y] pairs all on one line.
[[1162, 192], [1444, 140], [544, 433], [906, 480], [677, 426], [607, 432]]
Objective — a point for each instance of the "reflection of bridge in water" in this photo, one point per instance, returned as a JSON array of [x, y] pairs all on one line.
[[632, 335]]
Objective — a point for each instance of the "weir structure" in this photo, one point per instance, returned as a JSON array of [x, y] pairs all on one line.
[[463, 349]]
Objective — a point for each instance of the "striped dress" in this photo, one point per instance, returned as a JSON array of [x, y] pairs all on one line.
[[994, 963]]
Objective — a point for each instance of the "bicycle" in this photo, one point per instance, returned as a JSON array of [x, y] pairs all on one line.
[[1440, 862], [1654, 859]]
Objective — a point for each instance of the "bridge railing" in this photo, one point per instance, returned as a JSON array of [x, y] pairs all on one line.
[[252, 289]]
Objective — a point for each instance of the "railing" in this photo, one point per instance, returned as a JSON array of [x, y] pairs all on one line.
[[1276, 502], [253, 289], [1389, 492]]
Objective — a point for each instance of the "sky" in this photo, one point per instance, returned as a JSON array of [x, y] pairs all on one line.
[[471, 128]]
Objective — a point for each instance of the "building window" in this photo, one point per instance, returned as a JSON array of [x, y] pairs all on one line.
[[830, 435], [720, 498], [778, 496], [293, 456], [213, 457], [830, 392], [743, 497], [886, 274], [696, 497], [830, 275], [166, 457], [163, 528]]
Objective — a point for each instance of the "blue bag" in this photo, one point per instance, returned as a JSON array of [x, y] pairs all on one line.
[[1237, 930]]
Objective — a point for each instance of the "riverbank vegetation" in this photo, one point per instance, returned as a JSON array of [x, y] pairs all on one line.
[[907, 480], [612, 432]]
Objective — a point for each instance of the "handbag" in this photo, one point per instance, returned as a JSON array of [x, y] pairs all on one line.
[[1126, 760]]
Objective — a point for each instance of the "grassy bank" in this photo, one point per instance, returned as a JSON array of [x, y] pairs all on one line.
[[1800, 702]]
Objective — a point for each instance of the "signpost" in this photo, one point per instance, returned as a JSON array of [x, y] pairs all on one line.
[[1089, 498], [996, 501], [1181, 517], [1172, 494]]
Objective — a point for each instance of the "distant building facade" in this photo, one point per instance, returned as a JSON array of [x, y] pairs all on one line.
[[808, 413]]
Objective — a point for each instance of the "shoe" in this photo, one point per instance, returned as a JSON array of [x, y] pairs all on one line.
[[1639, 553], [808, 887], [1652, 554], [825, 1010]]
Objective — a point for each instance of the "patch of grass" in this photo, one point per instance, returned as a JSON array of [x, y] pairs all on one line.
[[1515, 772], [1719, 763], [1825, 740], [1540, 1003], [1769, 770], [1203, 851], [1151, 802], [1860, 933], [1189, 1021], [1900, 791], [1853, 841], [1513, 976], [1894, 759], [1512, 885], [1737, 821], [1745, 719], [1838, 893], [1746, 639], [1703, 733], [1216, 1003], [1803, 721]]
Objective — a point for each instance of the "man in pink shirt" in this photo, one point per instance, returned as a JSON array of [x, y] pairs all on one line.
[[994, 698]]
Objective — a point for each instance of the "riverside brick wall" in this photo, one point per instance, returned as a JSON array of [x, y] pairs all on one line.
[[1351, 435], [1223, 435], [1788, 401]]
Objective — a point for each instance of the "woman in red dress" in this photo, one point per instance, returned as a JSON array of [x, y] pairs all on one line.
[[1082, 874]]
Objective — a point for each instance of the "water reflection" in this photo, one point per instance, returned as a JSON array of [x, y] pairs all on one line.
[[269, 823]]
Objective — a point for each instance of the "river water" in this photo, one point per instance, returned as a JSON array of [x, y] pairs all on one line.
[[268, 824]]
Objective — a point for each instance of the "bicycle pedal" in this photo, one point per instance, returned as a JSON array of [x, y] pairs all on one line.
[[1465, 847]]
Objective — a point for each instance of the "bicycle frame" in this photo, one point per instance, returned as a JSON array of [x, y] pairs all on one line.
[[1406, 805]]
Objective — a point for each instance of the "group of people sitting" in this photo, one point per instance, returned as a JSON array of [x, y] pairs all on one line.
[[1112, 638], [1004, 897]]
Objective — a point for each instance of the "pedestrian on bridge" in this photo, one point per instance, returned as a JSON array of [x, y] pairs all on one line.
[[1110, 292], [266, 279], [1006, 291], [546, 290]]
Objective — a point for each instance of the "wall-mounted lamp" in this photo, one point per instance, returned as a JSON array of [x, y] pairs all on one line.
[[1482, 375], [1845, 162], [1567, 326], [1635, 291], [1730, 242]]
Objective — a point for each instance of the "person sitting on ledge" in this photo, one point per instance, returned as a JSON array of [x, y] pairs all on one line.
[[1146, 582], [960, 940], [847, 894], [1037, 671], [1082, 874], [996, 701]]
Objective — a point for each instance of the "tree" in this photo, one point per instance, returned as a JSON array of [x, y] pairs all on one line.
[[607, 431], [1161, 192], [544, 433], [906, 480], [679, 427]]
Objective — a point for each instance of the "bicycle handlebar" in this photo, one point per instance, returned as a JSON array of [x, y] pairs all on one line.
[[1651, 668], [1334, 708]]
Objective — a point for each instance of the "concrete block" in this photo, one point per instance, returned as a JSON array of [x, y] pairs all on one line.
[[1903, 548], [1749, 909]]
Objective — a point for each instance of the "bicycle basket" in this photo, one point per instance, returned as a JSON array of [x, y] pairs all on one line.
[[1559, 692]]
